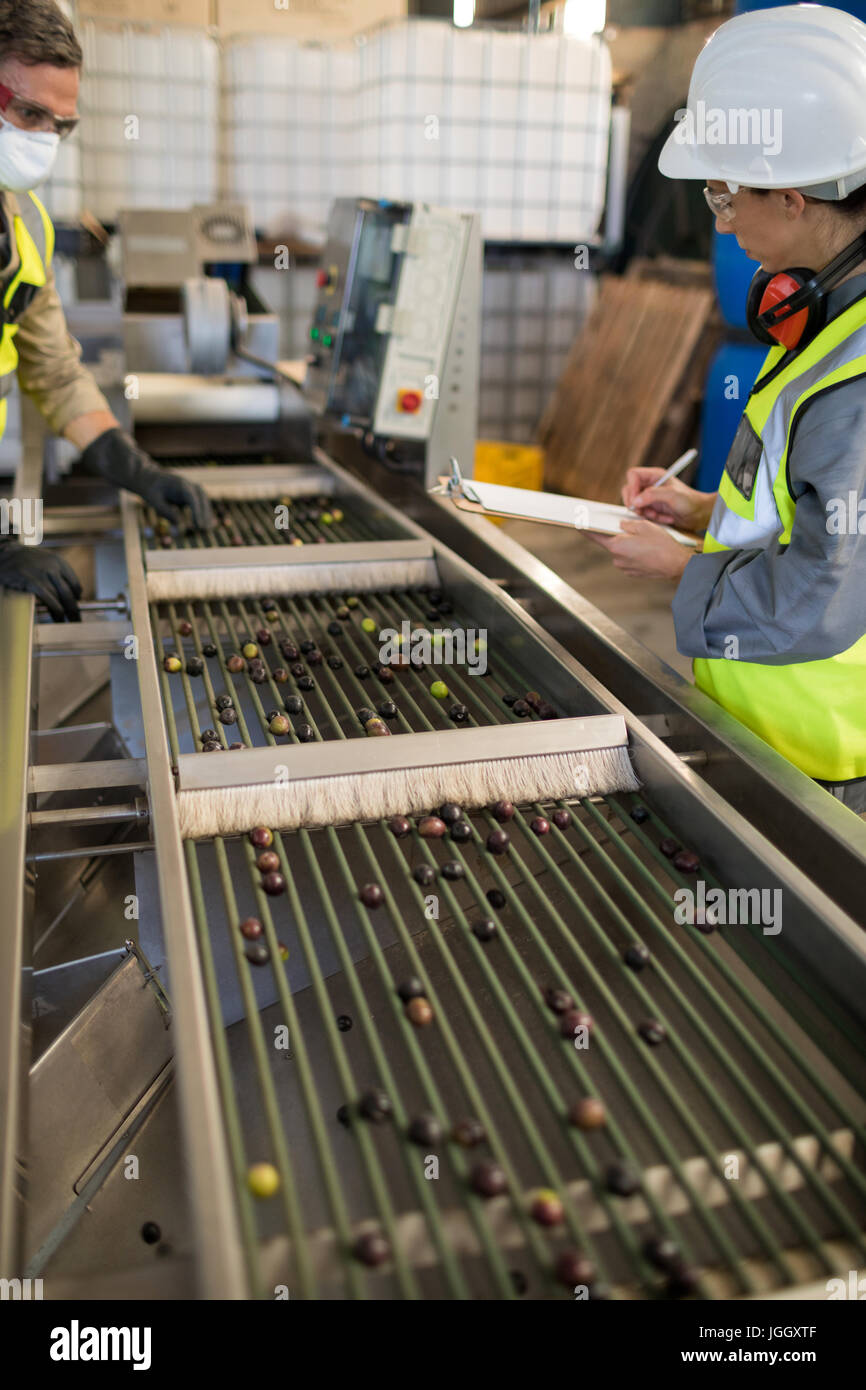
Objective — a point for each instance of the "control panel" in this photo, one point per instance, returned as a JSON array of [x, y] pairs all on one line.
[[394, 336]]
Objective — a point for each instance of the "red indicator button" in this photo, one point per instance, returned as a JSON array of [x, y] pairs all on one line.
[[323, 279], [409, 401]]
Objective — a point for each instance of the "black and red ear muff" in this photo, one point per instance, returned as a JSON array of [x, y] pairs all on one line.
[[788, 308], [769, 308]]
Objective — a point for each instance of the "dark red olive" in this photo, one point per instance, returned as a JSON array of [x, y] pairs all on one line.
[[636, 955], [400, 826], [371, 1249], [559, 1000], [468, 1133], [273, 884], [261, 837], [572, 1268], [410, 989], [521, 709], [268, 862], [289, 651], [375, 1106], [503, 810], [424, 1130], [251, 928], [484, 929], [257, 953], [184, 627], [461, 831], [686, 861], [561, 819], [432, 828], [622, 1179], [574, 1019], [305, 732], [229, 715], [587, 1113], [371, 895], [652, 1031], [546, 1208], [452, 870], [488, 1179], [662, 1252], [424, 874], [669, 848], [539, 826], [498, 841], [450, 812], [496, 898], [209, 649]]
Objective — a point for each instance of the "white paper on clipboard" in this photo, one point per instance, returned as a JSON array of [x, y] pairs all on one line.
[[579, 512]]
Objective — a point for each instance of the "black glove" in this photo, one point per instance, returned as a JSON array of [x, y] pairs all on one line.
[[31, 570], [118, 459]]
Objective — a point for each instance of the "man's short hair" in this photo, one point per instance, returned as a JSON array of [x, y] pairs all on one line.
[[37, 31]]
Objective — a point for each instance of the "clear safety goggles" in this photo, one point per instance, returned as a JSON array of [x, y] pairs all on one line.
[[720, 204], [29, 115]]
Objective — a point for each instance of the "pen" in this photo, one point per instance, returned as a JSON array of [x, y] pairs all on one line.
[[677, 467]]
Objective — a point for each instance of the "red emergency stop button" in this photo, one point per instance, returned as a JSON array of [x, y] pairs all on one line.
[[409, 402], [323, 279]]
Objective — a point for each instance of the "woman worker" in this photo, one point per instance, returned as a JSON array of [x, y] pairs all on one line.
[[773, 609]]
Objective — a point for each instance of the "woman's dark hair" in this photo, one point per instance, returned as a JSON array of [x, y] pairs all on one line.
[[37, 31], [852, 206]]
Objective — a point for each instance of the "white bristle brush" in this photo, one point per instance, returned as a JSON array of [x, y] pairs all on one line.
[[260, 482], [245, 571], [365, 779]]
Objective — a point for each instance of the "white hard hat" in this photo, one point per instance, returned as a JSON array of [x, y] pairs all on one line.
[[777, 100]]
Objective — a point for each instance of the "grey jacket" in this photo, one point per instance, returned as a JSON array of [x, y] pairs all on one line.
[[815, 605]]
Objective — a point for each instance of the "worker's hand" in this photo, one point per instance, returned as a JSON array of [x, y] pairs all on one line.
[[645, 551], [31, 570], [672, 504], [118, 459]]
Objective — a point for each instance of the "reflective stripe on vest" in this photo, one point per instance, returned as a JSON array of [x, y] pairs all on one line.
[[813, 712], [34, 237]]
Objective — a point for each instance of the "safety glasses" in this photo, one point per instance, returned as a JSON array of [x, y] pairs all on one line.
[[29, 115], [720, 205]]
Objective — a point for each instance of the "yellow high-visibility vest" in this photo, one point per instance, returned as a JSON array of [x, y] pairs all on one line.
[[34, 236], [813, 712]]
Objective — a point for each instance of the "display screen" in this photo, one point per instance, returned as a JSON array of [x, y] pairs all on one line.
[[373, 276]]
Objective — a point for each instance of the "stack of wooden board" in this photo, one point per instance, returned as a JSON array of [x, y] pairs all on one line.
[[631, 386]]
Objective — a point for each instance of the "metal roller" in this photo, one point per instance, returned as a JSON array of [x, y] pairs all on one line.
[[207, 317]]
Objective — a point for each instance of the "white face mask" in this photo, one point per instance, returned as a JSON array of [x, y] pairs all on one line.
[[26, 156]]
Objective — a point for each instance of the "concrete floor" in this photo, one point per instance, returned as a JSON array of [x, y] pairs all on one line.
[[641, 607]]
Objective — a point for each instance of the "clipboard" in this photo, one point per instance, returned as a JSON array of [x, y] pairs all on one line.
[[549, 508]]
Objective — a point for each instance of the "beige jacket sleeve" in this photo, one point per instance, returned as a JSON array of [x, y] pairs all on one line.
[[50, 369]]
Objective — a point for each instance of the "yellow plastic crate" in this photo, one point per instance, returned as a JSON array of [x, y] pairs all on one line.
[[515, 465]]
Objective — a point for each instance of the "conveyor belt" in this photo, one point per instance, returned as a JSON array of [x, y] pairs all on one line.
[[737, 1073], [330, 709], [738, 1114]]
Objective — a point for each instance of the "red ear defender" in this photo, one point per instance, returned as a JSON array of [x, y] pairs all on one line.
[[778, 289]]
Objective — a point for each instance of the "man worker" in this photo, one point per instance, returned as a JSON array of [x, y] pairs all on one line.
[[40, 65], [772, 608]]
